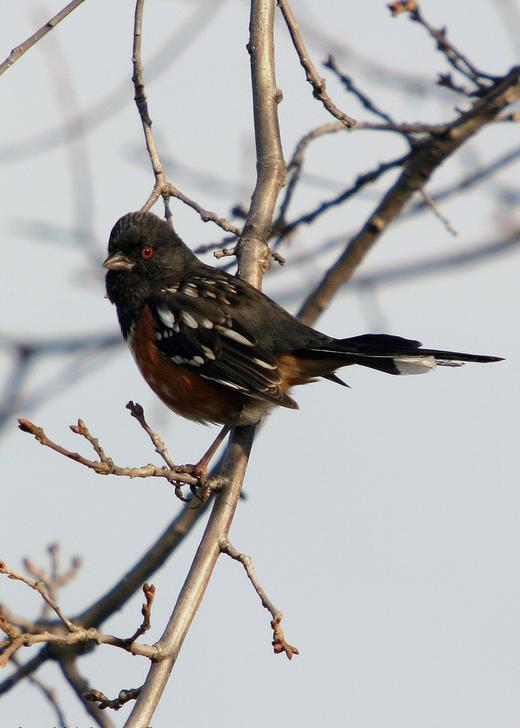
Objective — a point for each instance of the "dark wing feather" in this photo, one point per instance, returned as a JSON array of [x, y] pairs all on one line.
[[200, 332]]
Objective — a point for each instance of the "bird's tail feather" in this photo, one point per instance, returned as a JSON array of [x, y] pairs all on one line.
[[393, 354]]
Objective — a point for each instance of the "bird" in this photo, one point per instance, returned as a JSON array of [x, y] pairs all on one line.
[[215, 349]]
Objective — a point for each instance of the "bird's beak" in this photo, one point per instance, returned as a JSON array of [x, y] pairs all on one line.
[[118, 261]]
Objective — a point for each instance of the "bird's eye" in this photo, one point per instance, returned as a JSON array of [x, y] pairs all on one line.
[[147, 252]]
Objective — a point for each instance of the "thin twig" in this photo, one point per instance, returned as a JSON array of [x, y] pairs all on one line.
[[455, 58], [80, 685], [76, 634], [19, 51], [142, 106], [146, 610], [205, 215], [430, 202], [48, 692], [349, 84], [105, 465], [123, 697], [312, 75], [39, 586], [361, 181], [279, 642], [424, 159], [162, 187]]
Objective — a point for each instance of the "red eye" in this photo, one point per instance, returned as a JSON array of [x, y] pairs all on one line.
[[147, 252]]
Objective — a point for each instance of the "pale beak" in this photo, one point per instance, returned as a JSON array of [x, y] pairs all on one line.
[[118, 261]]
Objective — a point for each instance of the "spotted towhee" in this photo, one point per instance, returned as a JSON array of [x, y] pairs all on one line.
[[215, 349]]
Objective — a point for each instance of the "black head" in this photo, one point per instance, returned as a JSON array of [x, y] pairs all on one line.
[[143, 252]]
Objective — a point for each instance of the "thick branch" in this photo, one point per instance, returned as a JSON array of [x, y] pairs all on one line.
[[191, 595], [253, 253]]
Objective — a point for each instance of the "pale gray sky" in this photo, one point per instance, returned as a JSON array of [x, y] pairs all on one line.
[[382, 520]]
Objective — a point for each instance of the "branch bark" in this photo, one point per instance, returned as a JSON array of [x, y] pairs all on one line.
[[253, 256], [19, 51], [424, 159]]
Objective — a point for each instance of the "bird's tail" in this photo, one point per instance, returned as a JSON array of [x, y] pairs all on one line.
[[393, 354]]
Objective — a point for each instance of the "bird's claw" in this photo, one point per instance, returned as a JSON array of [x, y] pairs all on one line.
[[200, 489]]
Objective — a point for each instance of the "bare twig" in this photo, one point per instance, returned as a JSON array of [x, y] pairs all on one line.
[[24, 671], [48, 693], [279, 642], [55, 578], [142, 108], [312, 75], [424, 159], [146, 610], [80, 686], [39, 586], [455, 58], [105, 465], [361, 181], [75, 634], [18, 52], [169, 190], [162, 187], [349, 84], [161, 60], [160, 448], [123, 697], [430, 202]]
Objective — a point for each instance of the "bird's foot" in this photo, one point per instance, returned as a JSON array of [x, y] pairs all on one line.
[[200, 489]]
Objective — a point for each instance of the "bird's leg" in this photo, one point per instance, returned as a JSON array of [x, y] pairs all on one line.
[[200, 469]]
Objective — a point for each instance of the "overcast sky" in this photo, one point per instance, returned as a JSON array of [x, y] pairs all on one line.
[[382, 520]]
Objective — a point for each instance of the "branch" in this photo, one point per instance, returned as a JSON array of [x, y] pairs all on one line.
[[19, 51], [361, 181], [80, 686], [312, 75], [105, 465], [424, 159], [349, 84], [74, 634], [123, 697], [253, 257], [279, 642], [48, 693], [455, 58], [162, 187]]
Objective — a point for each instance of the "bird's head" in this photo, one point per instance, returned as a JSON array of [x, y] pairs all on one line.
[[143, 250]]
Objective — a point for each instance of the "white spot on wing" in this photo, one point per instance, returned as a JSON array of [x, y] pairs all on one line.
[[166, 316], [189, 320], [190, 290], [264, 364], [223, 381], [234, 335], [207, 352], [207, 323]]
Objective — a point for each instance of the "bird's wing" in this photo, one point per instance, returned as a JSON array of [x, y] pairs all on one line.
[[196, 328]]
